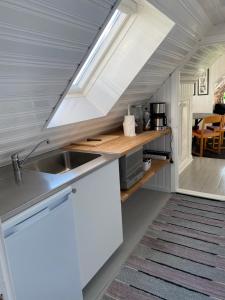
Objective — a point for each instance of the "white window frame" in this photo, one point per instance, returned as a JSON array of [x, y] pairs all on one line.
[[116, 69], [102, 46]]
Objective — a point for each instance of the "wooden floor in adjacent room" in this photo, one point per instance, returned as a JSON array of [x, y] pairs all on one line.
[[204, 175]]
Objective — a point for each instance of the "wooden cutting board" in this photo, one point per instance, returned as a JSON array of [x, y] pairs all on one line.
[[97, 140]]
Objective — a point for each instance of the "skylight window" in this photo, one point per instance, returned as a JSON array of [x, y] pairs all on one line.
[[101, 45], [123, 47]]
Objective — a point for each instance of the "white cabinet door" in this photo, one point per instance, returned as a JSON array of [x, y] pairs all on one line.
[[6, 287], [98, 218]]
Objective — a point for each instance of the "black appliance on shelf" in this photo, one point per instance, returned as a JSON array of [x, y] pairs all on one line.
[[131, 168], [158, 115], [156, 154]]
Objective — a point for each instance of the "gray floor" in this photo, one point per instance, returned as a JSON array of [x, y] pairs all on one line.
[[206, 175], [138, 212]]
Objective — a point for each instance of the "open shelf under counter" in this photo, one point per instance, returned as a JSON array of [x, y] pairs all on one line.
[[123, 145], [155, 167]]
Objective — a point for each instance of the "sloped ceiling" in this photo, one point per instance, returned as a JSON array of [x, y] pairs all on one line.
[[204, 57], [184, 47], [214, 9], [42, 42]]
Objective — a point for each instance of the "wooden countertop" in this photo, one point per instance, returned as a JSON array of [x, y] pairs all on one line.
[[123, 144]]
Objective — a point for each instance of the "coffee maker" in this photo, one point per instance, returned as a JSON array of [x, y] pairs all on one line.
[[158, 115]]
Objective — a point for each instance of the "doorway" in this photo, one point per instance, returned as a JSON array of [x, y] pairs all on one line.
[[199, 176]]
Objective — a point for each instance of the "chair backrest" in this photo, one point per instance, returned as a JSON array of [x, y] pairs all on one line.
[[223, 121], [211, 120]]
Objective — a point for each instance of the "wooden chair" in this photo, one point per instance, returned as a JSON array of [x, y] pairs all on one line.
[[221, 129], [205, 133]]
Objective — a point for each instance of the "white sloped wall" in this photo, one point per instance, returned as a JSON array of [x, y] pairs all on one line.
[[162, 180], [41, 45], [39, 52]]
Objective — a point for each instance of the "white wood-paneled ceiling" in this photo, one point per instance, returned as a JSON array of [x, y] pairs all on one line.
[[214, 9], [188, 47], [43, 41], [202, 58]]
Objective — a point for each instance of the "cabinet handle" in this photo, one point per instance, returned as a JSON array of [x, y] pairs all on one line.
[[74, 192]]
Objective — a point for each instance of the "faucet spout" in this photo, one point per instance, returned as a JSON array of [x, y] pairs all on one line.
[[17, 163], [32, 151]]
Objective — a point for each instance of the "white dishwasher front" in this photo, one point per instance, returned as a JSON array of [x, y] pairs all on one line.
[[41, 251]]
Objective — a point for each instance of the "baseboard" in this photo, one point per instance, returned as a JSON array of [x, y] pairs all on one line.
[[158, 188], [184, 164], [201, 195]]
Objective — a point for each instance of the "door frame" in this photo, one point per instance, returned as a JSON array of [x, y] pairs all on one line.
[[175, 92], [175, 124]]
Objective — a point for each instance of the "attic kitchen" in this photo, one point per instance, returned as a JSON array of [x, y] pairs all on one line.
[[89, 152], [61, 201], [40, 194]]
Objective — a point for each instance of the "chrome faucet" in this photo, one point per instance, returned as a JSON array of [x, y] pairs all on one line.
[[17, 163]]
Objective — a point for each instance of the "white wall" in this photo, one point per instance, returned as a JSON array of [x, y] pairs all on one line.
[[206, 103], [179, 113], [162, 180], [31, 83], [202, 104]]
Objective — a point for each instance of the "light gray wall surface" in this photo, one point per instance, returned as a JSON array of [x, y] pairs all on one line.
[[42, 42]]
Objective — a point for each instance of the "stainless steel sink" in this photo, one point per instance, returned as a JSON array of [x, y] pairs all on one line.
[[61, 162]]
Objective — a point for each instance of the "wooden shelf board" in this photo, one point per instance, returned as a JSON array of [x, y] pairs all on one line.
[[123, 144], [155, 167]]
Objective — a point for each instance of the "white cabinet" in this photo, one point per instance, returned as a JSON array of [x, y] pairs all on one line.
[[1, 281], [6, 287], [98, 218], [41, 250]]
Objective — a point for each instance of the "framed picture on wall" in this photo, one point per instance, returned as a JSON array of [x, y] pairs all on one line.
[[203, 83]]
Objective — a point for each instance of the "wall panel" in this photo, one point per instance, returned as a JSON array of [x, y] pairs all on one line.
[[162, 180], [42, 42], [185, 126]]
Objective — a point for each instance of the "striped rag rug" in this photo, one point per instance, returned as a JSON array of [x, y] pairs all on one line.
[[181, 256]]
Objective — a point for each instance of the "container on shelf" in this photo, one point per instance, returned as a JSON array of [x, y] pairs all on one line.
[[129, 125], [147, 164]]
